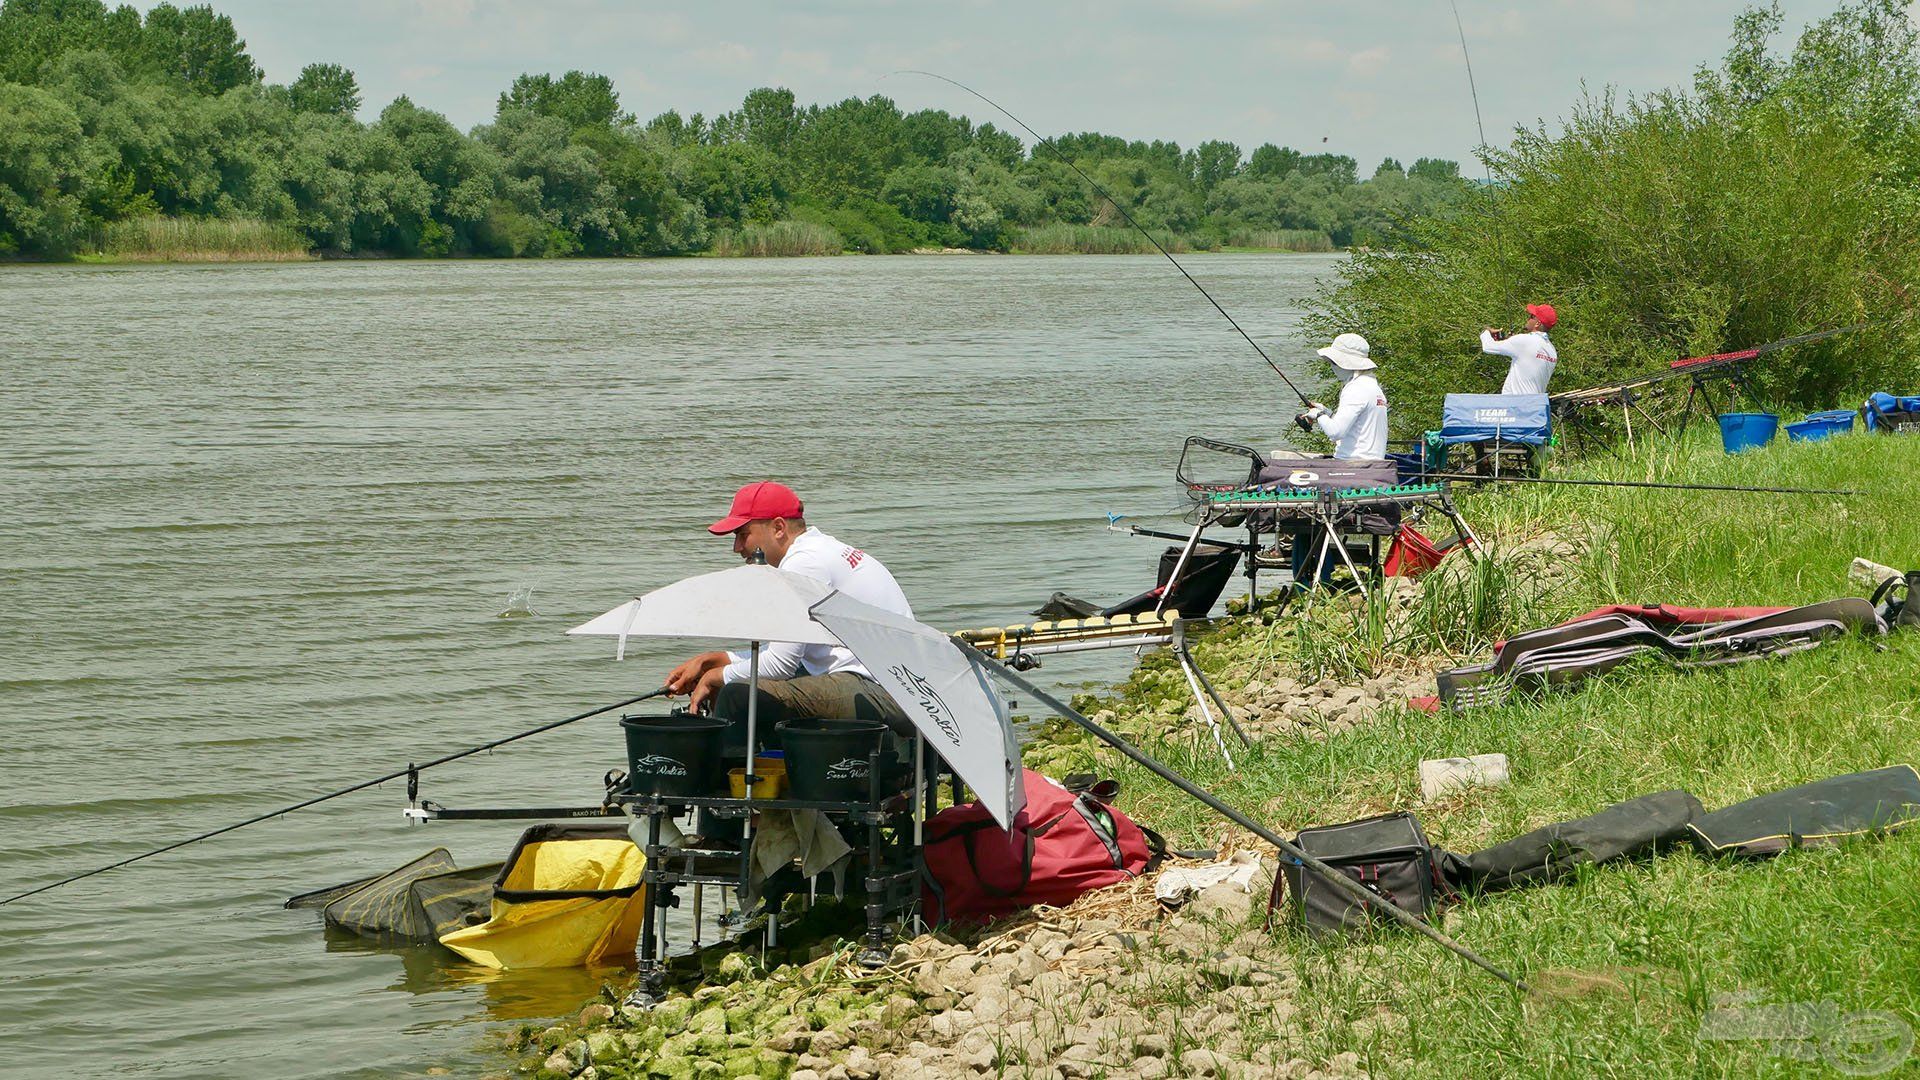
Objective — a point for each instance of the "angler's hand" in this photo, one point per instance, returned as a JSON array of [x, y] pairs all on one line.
[[683, 679], [706, 688], [1306, 419]]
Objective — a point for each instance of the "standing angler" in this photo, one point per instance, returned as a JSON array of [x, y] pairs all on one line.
[[1358, 427], [1532, 353]]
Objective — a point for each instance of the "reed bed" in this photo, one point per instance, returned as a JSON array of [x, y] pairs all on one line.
[[179, 239], [1305, 240], [781, 238], [1094, 240]]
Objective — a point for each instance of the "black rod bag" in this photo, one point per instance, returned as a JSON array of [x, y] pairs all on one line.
[[1387, 855], [1641, 826], [1822, 813]]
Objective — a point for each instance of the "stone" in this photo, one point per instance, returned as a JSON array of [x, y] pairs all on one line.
[[1200, 1062], [1150, 1044], [838, 1072], [559, 1061], [1225, 901], [1148, 1068], [597, 1013], [794, 1040], [1444, 776], [588, 1073], [1229, 970], [800, 1074], [860, 1065], [604, 1046], [828, 1041], [1344, 1064]]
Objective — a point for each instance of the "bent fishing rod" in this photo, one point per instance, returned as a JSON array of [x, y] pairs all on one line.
[[409, 772], [1642, 484], [1042, 140], [1354, 892]]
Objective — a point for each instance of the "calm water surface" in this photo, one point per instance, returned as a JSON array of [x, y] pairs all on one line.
[[259, 522]]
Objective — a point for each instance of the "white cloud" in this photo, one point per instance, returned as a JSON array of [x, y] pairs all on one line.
[[725, 55], [1368, 62]]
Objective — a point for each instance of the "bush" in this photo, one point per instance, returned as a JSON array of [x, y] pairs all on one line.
[[170, 239], [779, 238], [1755, 207]]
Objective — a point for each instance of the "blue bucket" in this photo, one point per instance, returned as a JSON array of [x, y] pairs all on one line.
[[1746, 430], [1820, 425]]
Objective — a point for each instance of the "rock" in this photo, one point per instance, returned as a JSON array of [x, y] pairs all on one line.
[[712, 1019], [800, 1074], [1344, 1064], [838, 1072], [597, 1013], [1229, 970], [1150, 1044], [794, 1040], [981, 1059], [588, 1073], [1223, 901], [859, 1064], [1148, 1068], [605, 1046], [1203, 1063], [927, 980], [828, 1041], [1443, 776], [1027, 966], [561, 1062]]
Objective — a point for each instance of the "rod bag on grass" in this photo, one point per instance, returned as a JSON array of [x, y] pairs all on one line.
[[1061, 846], [1387, 855], [1625, 830], [1822, 813]]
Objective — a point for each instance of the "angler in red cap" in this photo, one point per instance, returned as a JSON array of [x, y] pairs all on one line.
[[1532, 353], [768, 525]]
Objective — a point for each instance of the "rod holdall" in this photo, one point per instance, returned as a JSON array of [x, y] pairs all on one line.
[[1821, 814], [1641, 826], [1904, 612], [1387, 855]]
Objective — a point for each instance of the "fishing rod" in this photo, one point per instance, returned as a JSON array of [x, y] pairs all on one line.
[[1092, 183], [1644, 484], [1499, 235], [1354, 892], [410, 772]]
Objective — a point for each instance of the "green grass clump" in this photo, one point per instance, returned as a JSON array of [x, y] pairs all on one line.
[[1280, 240], [179, 239], [780, 238], [1627, 959], [1093, 240]]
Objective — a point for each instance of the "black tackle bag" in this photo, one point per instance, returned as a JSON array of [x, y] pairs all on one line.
[[1625, 830], [1822, 813], [1387, 855]]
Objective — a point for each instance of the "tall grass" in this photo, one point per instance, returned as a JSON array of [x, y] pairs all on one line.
[[175, 239], [1093, 240], [781, 238], [1311, 240]]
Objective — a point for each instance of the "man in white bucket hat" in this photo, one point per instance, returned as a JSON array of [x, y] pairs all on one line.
[[1358, 426]]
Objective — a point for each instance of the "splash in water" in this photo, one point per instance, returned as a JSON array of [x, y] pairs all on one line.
[[520, 604]]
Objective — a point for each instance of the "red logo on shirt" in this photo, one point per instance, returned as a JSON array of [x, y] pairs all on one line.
[[853, 557]]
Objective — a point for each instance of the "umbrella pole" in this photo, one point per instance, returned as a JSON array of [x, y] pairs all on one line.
[[1333, 877], [919, 801], [753, 724]]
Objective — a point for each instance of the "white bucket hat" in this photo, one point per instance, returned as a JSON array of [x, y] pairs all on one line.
[[1350, 352]]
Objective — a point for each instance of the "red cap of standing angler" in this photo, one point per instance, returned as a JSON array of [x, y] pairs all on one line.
[[756, 501], [1543, 312]]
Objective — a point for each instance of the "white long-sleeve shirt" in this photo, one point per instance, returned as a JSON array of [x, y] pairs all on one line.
[[1533, 359], [1358, 426], [816, 555]]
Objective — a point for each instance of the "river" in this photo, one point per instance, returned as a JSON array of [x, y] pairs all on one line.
[[261, 522]]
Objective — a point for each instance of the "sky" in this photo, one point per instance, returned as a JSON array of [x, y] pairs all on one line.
[[1367, 78]]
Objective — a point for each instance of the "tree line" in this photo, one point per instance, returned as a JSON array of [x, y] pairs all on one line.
[[110, 117]]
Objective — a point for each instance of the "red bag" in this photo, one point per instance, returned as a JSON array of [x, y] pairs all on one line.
[[1061, 846]]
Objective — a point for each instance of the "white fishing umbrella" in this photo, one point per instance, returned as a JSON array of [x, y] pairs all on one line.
[[746, 603], [942, 690], [939, 688]]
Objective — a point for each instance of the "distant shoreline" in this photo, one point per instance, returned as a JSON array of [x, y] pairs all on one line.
[[218, 257]]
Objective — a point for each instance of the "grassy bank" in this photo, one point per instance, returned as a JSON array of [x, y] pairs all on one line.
[[1650, 944], [1626, 961], [780, 238], [169, 239]]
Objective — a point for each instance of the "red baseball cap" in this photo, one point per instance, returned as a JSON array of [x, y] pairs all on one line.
[[1543, 312], [755, 502]]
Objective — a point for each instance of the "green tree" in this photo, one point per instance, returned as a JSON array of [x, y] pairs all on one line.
[[325, 88], [198, 47], [1214, 161], [578, 99], [42, 173]]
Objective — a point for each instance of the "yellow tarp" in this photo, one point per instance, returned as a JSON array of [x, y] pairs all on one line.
[[569, 896]]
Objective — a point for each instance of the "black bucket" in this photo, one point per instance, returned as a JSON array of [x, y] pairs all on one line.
[[831, 760], [676, 754]]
